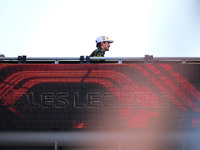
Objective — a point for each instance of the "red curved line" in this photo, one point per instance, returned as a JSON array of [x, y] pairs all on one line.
[[16, 78], [186, 85], [15, 112], [157, 83], [11, 97], [176, 89], [178, 92], [163, 89], [171, 85], [19, 76], [128, 86], [118, 77]]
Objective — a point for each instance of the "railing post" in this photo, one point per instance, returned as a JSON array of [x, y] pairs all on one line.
[[87, 59], [21, 59], [119, 61], [81, 59], [55, 145], [56, 62]]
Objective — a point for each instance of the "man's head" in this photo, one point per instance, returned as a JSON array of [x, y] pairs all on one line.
[[104, 42], [2, 55]]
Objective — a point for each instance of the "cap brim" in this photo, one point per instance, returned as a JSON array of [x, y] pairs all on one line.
[[110, 41]]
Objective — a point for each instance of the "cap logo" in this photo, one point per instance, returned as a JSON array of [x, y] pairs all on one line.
[[103, 38]]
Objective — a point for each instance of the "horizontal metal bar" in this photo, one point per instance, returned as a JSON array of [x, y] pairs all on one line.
[[92, 138], [176, 58], [118, 58], [42, 58], [108, 58], [142, 58]]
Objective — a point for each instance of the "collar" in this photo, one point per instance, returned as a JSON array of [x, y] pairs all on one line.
[[100, 49]]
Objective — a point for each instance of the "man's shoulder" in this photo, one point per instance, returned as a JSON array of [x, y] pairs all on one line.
[[98, 53]]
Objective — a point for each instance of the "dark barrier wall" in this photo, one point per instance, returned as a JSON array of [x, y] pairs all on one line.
[[99, 96]]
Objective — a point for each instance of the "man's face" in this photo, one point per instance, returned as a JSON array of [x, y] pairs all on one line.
[[105, 46]]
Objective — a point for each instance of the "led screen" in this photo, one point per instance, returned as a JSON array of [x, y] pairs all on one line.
[[99, 96]]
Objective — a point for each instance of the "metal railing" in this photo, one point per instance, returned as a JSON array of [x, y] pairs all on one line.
[[87, 59]]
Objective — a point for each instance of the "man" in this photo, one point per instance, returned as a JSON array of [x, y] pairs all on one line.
[[2, 55], [103, 45]]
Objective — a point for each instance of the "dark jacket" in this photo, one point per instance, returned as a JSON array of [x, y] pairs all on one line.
[[97, 53]]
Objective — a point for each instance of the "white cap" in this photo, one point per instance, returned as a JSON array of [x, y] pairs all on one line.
[[103, 39]]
